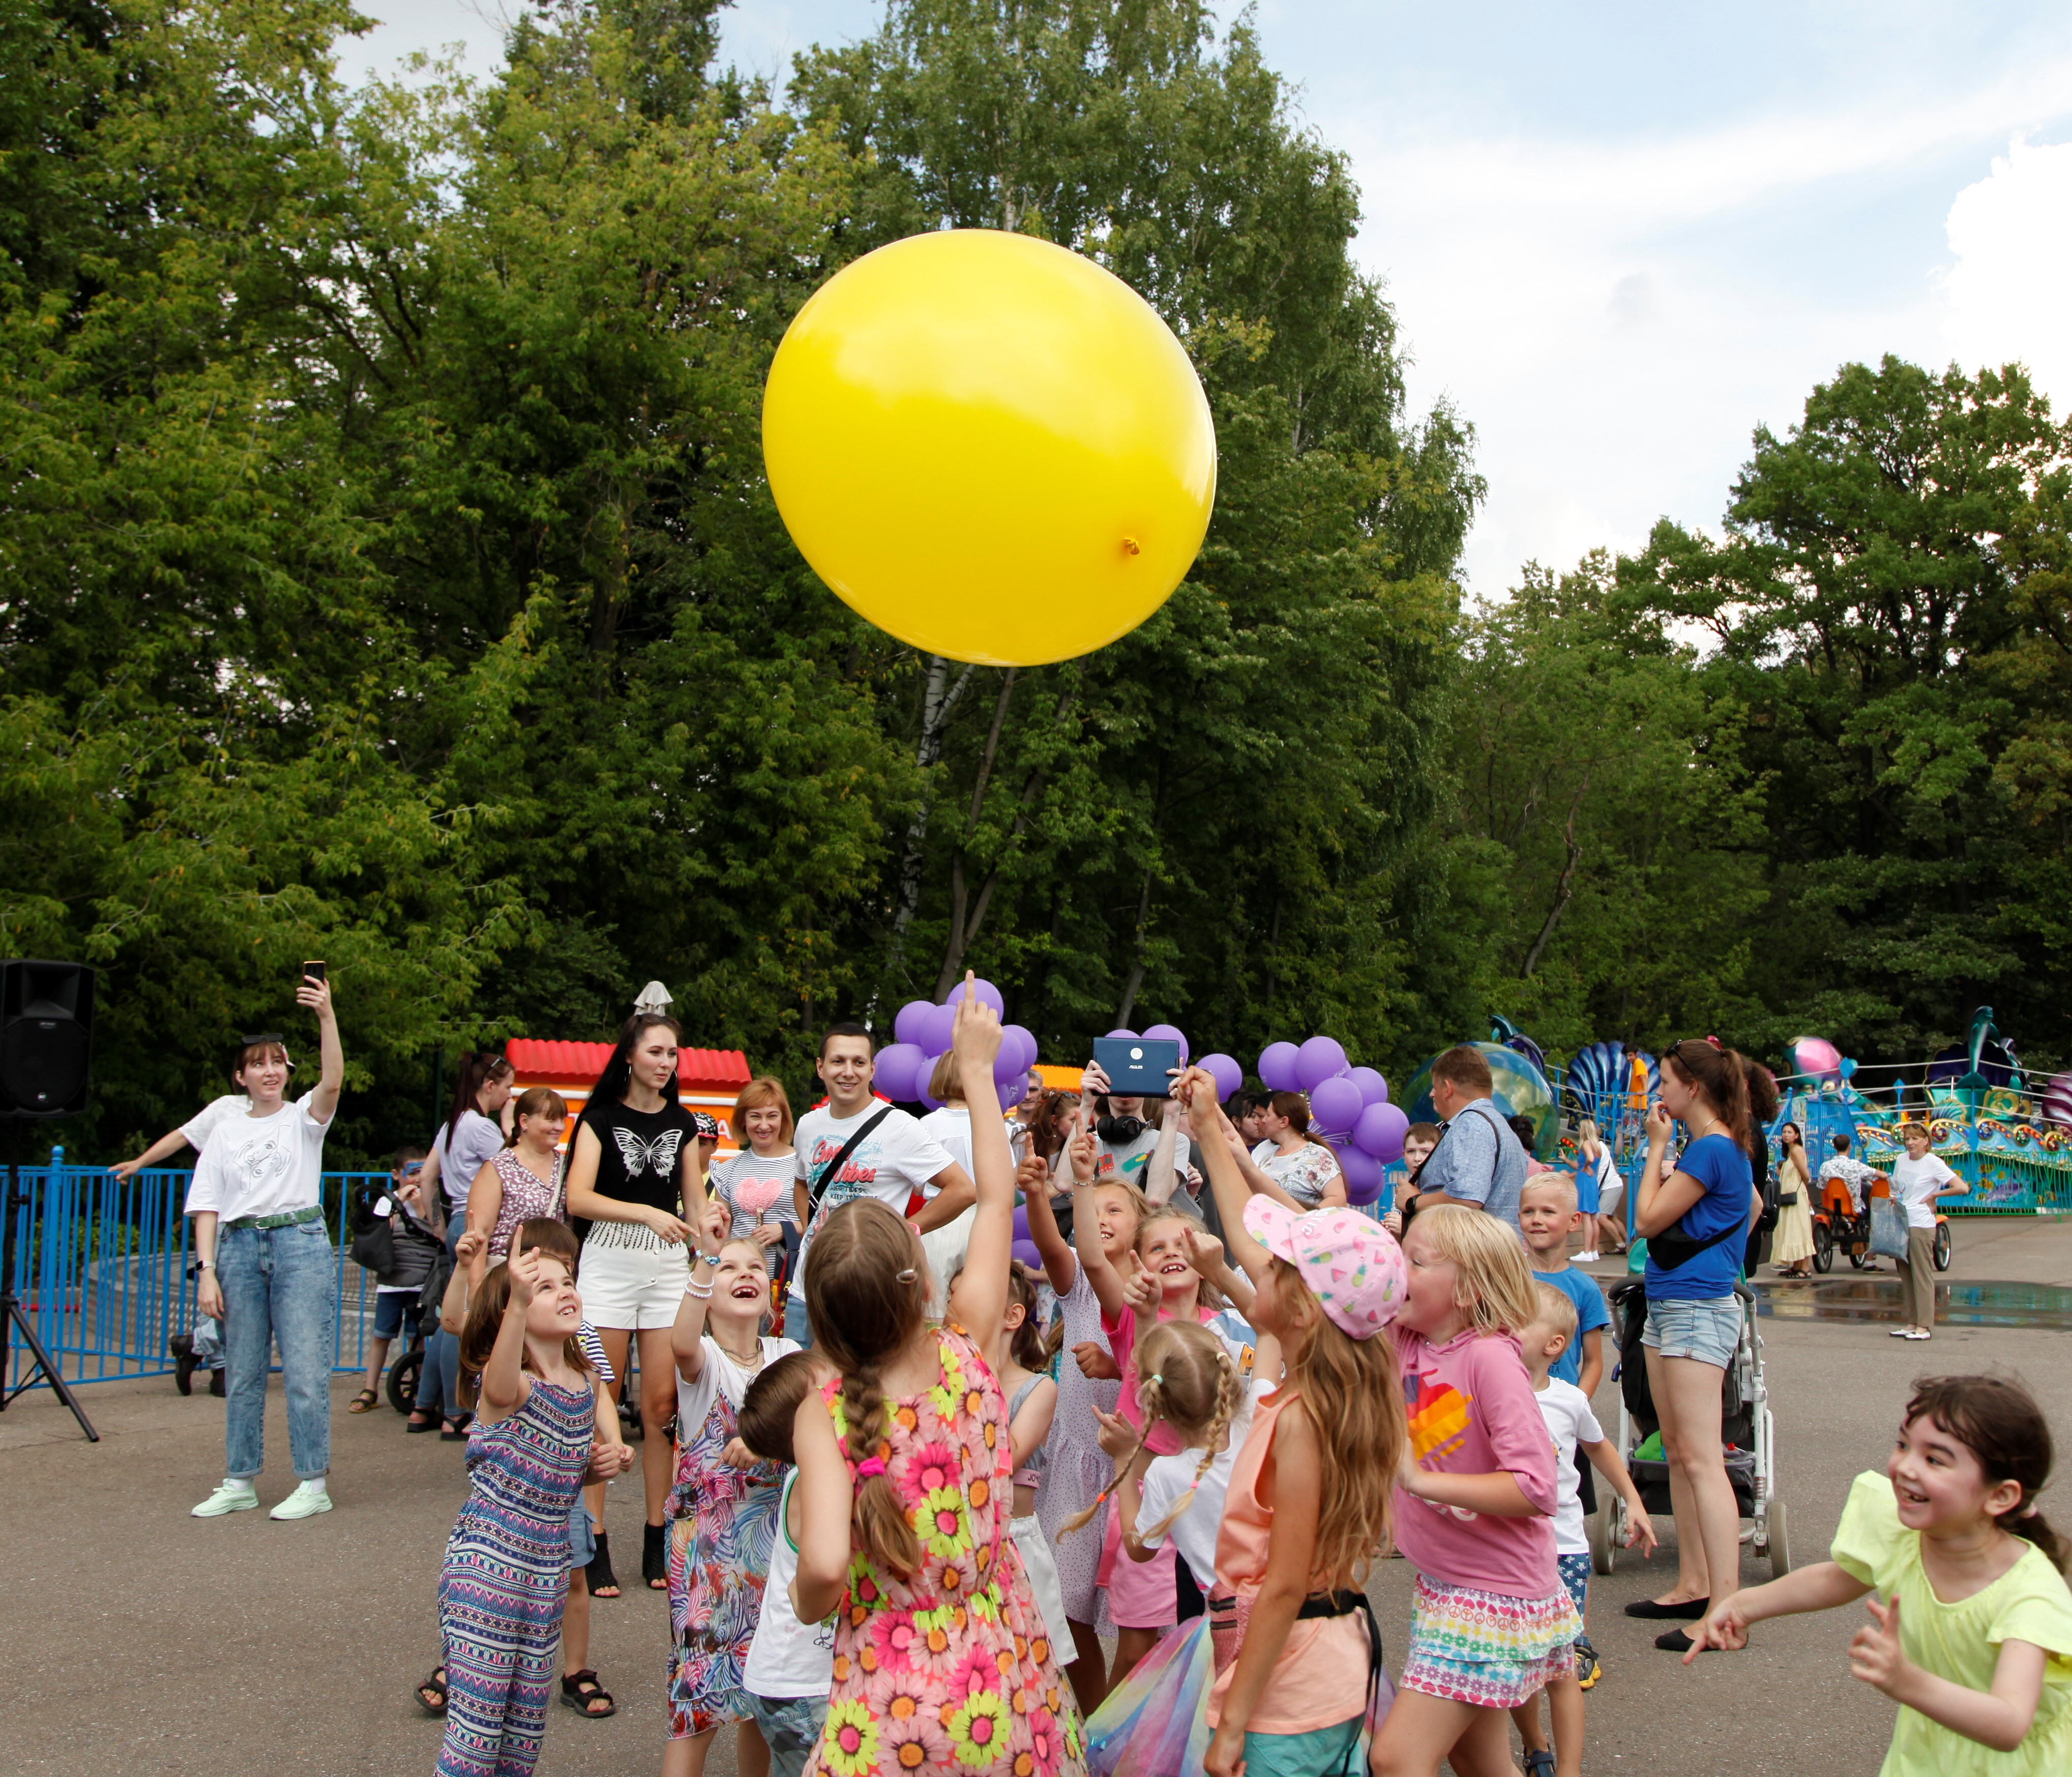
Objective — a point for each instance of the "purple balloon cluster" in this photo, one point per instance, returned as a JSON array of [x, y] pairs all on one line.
[[1349, 1108], [922, 1031]]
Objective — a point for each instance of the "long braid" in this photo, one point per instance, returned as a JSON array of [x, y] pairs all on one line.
[[886, 1532], [1230, 1392]]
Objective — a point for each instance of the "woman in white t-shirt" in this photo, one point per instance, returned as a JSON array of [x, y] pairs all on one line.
[[1918, 1182], [1306, 1171], [471, 1137], [755, 1184], [268, 1272]]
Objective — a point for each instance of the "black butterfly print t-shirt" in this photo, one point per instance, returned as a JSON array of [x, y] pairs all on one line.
[[643, 1155]]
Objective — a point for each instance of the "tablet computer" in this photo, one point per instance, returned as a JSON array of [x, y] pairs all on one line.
[[1138, 1067]]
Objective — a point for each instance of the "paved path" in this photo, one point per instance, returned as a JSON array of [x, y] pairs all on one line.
[[143, 1640]]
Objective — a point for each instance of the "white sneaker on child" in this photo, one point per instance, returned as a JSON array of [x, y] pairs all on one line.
[[307, 1501], [231, 1496]]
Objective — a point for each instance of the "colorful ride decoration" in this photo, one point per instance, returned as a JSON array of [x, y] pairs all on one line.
[[1812, 1059], [1520, 1088]]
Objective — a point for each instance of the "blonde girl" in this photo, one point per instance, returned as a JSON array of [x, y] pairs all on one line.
[[1308, 1506], [1176, 1265], [1020, 1360], [1970, 1629], [1076, 1470], [942, 1663], [1491, 1624]]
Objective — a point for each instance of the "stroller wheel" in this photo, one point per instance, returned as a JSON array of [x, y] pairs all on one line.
[[403, 1379], [1607, 1530], [1941, 1247], [1775, 1524]]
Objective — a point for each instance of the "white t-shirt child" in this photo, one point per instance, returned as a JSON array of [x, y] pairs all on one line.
[[895, 1162], [260, 1166], [787, 1658], [1915, 1183], [721, 1374], [1168, 1477], [1566, 1409]]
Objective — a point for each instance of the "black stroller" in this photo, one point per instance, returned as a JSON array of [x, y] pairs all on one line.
[[1745, 1429], [382, 1248]]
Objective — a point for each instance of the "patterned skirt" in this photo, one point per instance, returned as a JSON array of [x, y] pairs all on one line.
[[1487, 1648]]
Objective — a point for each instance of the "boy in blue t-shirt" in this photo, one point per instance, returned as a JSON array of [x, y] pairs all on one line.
[[1546, 1216]]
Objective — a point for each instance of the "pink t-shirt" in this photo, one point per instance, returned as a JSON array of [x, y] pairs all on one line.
[[1472, 1411]]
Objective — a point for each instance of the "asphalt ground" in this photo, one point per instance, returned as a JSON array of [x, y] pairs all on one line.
[[139, 1639]]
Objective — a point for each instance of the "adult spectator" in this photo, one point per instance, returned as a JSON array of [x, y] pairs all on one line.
[[1919, 1181], [414, 1244], [634, 1194], [857, 1146], [1306, 1172], [1599, 1185], [468, 1140], [1794, 1253], [268, 1272], [1023, 1122], [203, 1348], [755, 1184], [1479, 1162], [1857, 1178], [1147, 1152], [1696, 1220], [523, 1181], [1247, 1109]]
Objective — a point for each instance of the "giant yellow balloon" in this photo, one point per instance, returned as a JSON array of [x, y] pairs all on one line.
[[989, 446]]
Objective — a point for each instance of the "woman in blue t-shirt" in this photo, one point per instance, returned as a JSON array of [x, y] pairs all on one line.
[[1695, 1219]]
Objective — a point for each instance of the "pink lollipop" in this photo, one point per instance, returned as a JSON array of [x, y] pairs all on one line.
[[757, 1195]]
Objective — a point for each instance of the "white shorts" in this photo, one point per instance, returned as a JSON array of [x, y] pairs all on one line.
[[631, 1277], [1041, 1567]]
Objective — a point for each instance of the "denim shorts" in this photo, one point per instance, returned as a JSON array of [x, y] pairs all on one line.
[[582, 1543], [791, 1727], [389, 1306], [1707, 1329]]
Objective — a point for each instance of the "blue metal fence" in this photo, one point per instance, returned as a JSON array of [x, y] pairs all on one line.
[[101, 1267]]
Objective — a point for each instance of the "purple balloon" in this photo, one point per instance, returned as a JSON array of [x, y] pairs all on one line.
[[1022, 1222], [907, 1027], [1026, 1252], [1277, 1067], [1363, 1175], [1010, 1090], [899, 1066], [1229, 1076], [1170, 1033], [1119, 1034], [1335, 1106], [1318, 1060], [923, 1097], [1017, 1049], [1374, 1089], [988, 993], [1379, 1132], [937, 1027]]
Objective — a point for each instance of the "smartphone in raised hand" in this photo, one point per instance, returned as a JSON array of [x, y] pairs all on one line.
[[309, 968]]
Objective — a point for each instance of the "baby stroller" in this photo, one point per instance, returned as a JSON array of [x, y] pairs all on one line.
[[1745, 1429]]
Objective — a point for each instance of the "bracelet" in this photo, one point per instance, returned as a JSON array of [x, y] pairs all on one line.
[[702, 1295]]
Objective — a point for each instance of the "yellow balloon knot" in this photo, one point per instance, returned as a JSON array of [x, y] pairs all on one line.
[[1129, 546]]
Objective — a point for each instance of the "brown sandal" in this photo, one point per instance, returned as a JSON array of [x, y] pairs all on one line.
[[365, 1401]]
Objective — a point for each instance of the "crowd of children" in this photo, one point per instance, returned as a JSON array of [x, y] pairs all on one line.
[[1116, 1511]]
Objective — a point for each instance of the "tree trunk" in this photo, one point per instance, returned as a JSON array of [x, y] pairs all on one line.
[[939, 702], [1565, 888], [960, 935], [1137, 968]]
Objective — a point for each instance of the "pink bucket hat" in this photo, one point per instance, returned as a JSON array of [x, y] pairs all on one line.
[[1354, 1264]]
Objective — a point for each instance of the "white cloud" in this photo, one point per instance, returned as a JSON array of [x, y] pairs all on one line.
[[2010, 292]]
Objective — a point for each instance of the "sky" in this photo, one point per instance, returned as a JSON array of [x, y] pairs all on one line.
[[1620, 237]]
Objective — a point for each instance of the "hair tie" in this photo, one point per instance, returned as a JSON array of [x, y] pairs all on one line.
[[870, 1468], [1158, 1378]]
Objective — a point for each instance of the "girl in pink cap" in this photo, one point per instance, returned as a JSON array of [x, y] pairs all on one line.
[[1298, 1652]]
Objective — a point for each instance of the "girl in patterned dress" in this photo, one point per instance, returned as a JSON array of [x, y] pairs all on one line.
[[721, 1517], [906, 1479], [506, 1565]]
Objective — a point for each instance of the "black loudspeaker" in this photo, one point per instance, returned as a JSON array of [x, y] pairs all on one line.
[[45, 1038]]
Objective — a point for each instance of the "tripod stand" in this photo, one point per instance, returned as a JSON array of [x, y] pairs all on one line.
[[12, 1317]]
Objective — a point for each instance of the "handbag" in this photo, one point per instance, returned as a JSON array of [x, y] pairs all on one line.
[[1888, 1229], [1787, 1199]]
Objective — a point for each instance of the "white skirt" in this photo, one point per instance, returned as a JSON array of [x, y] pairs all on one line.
[[630, 1278]]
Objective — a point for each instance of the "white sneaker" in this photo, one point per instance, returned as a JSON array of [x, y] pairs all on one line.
[[1903, 1332], [1586, 1258], [231, 1496], [307, 1501]]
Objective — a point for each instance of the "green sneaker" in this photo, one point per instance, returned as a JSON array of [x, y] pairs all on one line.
[[231, 1496], [307, 1501]]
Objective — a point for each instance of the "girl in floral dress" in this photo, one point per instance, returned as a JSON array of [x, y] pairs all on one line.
[[906, 1480], [721, 1518]]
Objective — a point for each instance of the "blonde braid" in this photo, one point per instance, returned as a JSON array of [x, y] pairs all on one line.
[[1230, 1391], [1150, 1395], [885, 1531]]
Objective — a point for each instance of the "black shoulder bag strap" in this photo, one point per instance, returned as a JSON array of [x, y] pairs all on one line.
[[833, 1169], [1410, 1209]]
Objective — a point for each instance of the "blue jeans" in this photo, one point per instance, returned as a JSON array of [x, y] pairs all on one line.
[[278, 1283], [208, 1342], [795, 1324], [439, 1382]]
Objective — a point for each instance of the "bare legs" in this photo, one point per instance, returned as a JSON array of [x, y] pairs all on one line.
[[1686, 1400]]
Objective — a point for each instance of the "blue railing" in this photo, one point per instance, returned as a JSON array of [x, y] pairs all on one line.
[[100, 1266]]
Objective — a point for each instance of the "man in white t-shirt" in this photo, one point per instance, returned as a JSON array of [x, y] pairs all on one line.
[[203, 1348], [898, 1162], [1918, 1182], [268, 1271]]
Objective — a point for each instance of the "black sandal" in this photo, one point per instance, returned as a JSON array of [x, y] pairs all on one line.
[[430, 1422], [436, 1684], [602, 1582], [655, 1557], [580, 1690]]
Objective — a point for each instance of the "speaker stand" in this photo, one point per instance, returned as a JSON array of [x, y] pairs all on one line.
[[12, 1315]]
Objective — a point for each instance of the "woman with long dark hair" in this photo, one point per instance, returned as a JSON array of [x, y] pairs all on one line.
[[633, 1177], [471, 1137], [1793, 1254], [1697, 1220]]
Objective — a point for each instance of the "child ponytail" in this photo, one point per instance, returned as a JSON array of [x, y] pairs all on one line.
[[1998, 1421], [1230, 1392]]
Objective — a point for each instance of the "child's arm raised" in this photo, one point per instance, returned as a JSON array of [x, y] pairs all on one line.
[[977, 1043], [687, 1336], [1104, 1279], [1604, 1458], [1999, 1718], [1208, 1258], [504, 1383], [453, 1306], [1059, 1266], [1160, 1179], [1292, 1482], [1197, 1090], [826, 1498], [1821, 1586]]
